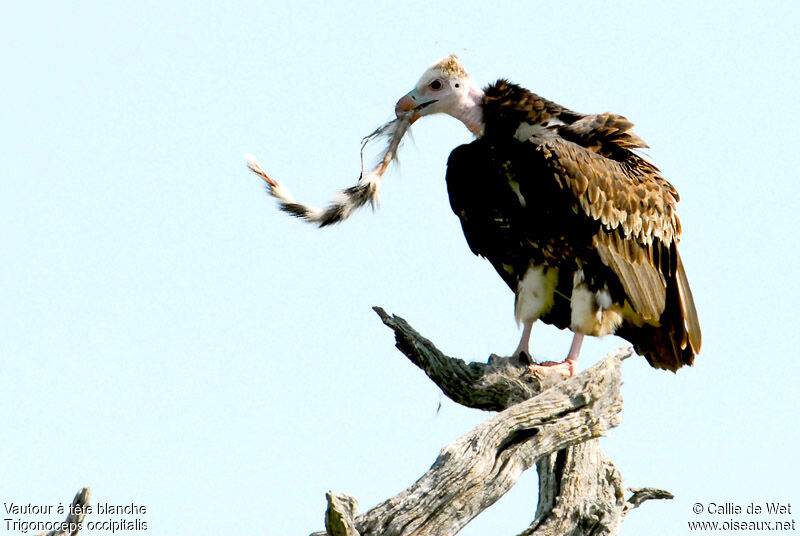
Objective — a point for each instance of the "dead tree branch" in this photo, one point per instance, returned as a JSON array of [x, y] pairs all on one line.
[[551, 423], [74, 520], [644, 494], [583, 494], [494, 386]]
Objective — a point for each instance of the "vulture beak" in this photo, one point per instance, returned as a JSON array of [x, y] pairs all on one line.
[[411, 101]]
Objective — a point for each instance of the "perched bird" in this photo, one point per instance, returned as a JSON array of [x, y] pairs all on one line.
[[582, 228]]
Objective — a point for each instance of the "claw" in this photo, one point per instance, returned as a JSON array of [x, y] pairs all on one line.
[[565, 368]]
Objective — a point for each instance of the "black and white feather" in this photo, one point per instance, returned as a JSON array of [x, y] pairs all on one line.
[[345, 202]]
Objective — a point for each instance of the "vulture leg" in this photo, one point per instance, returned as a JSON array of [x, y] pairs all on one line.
[[566, 367], [575, 349], [522, 347]]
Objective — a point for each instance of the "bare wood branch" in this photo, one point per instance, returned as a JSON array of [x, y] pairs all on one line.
[[339, 517], [551, 423], [74, 520], [477, 469], [585, 494], [496, 385], [644, 494]]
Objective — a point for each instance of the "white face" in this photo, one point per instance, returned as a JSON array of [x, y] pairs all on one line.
[[446, 94], [445, 88], [446, 91]]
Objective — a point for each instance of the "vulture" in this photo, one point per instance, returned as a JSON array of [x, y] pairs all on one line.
[[580, 226]]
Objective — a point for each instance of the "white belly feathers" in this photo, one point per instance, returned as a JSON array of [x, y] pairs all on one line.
[[535, 293], [591, 312]]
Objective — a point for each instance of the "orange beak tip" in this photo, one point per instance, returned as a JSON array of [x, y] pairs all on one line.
[[403, 105]]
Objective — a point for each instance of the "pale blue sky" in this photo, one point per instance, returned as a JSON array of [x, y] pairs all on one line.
[[170, 339]]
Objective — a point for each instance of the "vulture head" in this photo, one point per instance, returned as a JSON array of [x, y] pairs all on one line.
[[446, 87]]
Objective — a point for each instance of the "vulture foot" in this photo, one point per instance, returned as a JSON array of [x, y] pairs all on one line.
[[565, 368]]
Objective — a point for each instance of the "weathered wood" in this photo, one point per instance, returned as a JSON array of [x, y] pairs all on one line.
[[549, 422], [495, 386], [340, 513], [585, 493], [74, 521], [644, 494], [474, 471]]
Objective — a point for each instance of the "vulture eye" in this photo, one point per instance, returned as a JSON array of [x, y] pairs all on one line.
[[436, 85]]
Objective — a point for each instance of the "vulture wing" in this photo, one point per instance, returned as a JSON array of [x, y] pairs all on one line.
[[592, 160]]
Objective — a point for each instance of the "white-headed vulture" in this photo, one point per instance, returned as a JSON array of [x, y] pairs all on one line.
[[582, 228]]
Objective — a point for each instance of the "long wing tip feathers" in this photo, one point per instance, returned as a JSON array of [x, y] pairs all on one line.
[[688, 309]]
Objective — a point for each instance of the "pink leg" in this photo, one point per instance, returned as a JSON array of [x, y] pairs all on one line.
[[575, 348], [566, 367], [527, 327]]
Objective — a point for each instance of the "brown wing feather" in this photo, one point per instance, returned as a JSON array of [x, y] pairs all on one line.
[[643, 282], [640, 229], [605, 133], [626, 195], [692, 323]]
